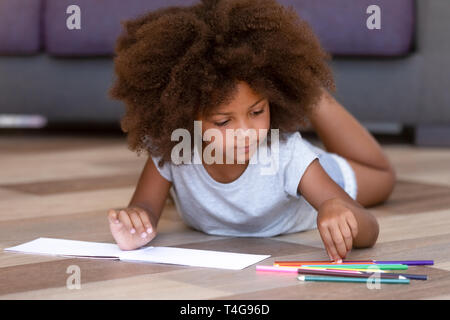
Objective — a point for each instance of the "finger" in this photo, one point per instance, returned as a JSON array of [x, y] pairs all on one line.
[[338, 240], [125, 219], [328, 241], [145, 219], [353, 224], [113, 216], [137, 222], [346, 234]]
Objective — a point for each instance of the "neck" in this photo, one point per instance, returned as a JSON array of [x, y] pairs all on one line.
[[224, 172]]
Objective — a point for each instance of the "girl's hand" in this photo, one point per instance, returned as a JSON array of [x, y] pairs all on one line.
[[131, 227], [338, 227]]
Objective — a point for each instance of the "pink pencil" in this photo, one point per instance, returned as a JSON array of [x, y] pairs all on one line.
[[278, 269], [333, 272], [295, 270]]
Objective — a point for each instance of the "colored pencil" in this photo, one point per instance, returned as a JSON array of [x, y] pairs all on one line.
[[358, 274], [362, 266], [336, 272], [340, 269], [382, 273], [352, 274], [349, 279], [407, 262], [294, 269], [296, 263], [345, 270], [276, 269], [413, 276]]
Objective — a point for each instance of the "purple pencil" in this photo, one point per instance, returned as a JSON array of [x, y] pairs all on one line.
[[408, 262], [405, 262]]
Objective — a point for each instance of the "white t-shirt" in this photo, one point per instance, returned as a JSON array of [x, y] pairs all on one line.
[[253, 205]]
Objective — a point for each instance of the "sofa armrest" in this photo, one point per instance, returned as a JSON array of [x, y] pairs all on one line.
[[433, 47]]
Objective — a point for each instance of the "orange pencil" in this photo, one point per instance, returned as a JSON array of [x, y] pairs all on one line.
[[300, 263]]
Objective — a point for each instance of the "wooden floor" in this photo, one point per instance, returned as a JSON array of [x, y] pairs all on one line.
[[62, 186]]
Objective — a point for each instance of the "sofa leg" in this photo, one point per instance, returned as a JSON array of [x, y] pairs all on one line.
[[432, 135]]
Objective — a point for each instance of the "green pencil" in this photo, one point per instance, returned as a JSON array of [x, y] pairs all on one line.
[[360, 266], [351, 279]]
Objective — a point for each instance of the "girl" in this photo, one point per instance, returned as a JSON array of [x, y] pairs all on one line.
[[242, 64]]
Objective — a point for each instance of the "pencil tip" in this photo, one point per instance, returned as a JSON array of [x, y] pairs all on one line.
[[301, 278], [402, 277]]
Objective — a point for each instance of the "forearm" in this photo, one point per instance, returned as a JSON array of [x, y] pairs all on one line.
[[152, 215], [151, 192]]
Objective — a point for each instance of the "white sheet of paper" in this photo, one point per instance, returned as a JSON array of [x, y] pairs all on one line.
[[169, 255], [193, 257], [65, 247]]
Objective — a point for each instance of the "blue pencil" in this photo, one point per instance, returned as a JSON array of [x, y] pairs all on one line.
[[350, 279]]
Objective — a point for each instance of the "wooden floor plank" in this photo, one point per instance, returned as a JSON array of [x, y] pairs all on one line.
[[62, 188]]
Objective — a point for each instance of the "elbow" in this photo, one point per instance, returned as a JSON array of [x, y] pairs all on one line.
[[387, 185], [393, 177], [391, 180], [370, 239]]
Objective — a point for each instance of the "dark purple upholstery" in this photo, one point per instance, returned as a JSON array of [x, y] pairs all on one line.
[[20, 26], [100, 24], [341, 25]]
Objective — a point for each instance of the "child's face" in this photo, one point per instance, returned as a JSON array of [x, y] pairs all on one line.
[[247, 110]]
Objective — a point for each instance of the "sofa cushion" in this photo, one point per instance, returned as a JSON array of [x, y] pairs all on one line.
[[100, 24], [20, 31], [341, 25]]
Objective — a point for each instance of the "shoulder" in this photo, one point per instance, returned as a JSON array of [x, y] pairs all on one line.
[[293, 137], [296, 154], [289, 142], [165, 170]]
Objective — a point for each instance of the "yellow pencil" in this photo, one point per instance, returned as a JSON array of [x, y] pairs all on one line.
[[325, 268]]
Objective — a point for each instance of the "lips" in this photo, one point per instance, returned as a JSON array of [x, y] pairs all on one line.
[[246, 149]]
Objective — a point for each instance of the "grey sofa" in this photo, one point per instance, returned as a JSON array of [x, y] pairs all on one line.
[[396, 74]]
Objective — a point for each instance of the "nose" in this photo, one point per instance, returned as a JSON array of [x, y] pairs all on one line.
[[245, 132], [245, 124]]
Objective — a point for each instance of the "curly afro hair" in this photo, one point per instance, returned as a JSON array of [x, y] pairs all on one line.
[[175, 63]]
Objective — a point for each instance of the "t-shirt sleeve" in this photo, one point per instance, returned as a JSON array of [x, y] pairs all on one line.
[[299, 157], [165, 171]]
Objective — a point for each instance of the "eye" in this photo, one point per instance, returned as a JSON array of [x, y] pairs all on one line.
[[221, 124], [258, 112]]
